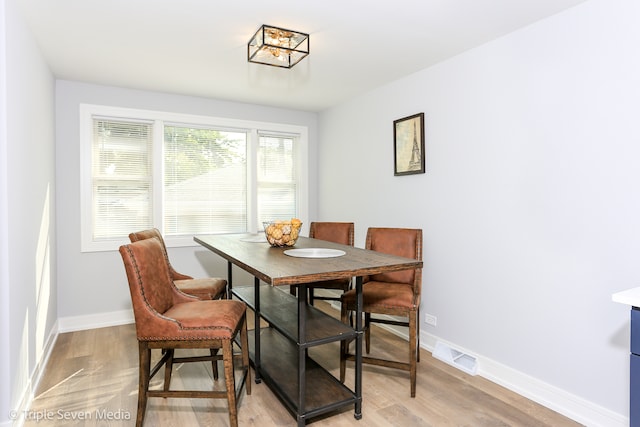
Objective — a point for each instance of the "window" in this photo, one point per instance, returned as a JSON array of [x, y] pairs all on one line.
[[185, 175]]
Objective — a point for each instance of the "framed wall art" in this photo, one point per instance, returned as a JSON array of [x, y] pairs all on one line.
[[408, 145]]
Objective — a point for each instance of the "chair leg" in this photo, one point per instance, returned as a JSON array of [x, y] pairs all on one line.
[[227, 354], [413, 349], [144, 356], [344, 345], [168, 368], [244, 341], [418, 334], [367, 331], [214, 363]]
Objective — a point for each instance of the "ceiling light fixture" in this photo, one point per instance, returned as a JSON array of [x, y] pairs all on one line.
[[277, 47]]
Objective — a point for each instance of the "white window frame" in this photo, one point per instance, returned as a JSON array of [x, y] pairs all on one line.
[[89, 111]]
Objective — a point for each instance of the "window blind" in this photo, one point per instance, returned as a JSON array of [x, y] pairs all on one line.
[[205, 181], [121, 172], [276, 183]]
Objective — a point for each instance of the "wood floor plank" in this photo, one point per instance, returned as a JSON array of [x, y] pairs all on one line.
[[93, 374]]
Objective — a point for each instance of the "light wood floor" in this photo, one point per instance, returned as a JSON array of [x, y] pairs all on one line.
[[94, 374]]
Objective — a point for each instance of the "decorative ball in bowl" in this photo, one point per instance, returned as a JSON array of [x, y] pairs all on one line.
[[282, 233]]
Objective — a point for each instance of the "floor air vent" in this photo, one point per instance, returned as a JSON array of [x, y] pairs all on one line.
[[455, 358]]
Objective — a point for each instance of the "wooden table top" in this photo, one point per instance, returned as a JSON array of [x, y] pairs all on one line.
[[272, 266]]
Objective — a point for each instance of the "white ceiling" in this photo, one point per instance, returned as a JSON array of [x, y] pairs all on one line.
[[199, 47]]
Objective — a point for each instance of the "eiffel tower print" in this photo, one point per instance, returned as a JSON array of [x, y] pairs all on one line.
[[409, 155], [416, 157]]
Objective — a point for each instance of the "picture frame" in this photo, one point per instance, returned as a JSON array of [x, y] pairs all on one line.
[[408, 145]]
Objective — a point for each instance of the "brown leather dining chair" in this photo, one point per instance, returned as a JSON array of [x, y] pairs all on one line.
[[167, 319], [204, 288], [336, 232], [395, 294]]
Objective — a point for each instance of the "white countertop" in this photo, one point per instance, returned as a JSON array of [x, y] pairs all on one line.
[[629, 297]]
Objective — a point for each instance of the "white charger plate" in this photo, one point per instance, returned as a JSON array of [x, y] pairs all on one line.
[[314, 253]]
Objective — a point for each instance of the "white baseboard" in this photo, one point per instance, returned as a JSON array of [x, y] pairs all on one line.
[[28, 392], [572, 406], [554, 398], [94, 321]]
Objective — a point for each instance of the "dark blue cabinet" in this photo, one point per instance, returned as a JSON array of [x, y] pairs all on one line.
[[635, 330], [631, 297], [634, 412]]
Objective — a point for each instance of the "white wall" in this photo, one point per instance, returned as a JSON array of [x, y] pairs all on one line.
[[95, 283], [530, 204], [27, 218]]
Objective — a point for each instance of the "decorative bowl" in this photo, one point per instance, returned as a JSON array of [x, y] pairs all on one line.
[[282, 233]]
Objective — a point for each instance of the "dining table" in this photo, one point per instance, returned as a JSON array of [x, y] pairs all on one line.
[[279, 351]]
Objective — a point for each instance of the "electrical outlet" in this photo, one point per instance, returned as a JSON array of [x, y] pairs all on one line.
[[430, 319]]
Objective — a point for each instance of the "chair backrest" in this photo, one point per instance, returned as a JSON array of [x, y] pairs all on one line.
[[149, 234], [336, 232], [151, 287], [146, 234], [404, 242]]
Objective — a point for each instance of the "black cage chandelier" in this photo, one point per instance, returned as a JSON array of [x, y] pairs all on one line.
[[277, 47]]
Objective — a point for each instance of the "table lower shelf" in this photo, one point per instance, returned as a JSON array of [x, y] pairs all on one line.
[[280, 309], [279, 369]]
